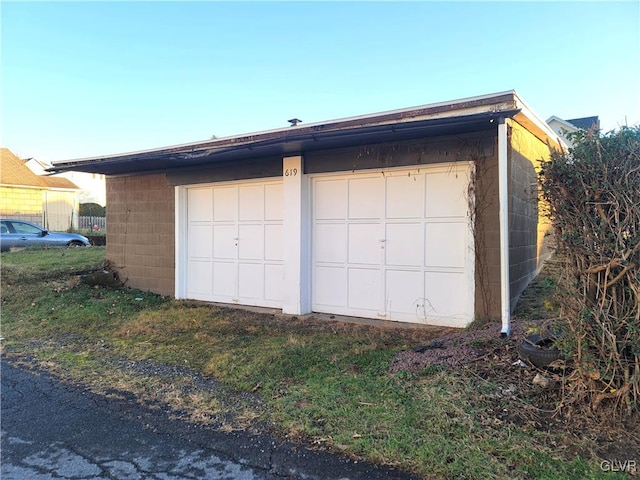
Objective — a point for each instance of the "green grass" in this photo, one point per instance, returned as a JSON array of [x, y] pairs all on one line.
[[325, 383], [53, 263]]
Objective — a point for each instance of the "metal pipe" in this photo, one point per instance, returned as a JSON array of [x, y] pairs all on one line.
[[503, 191]]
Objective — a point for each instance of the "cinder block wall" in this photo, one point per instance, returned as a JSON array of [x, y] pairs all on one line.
[[528, 227], [527, 224], [487, 235], [141, 238]]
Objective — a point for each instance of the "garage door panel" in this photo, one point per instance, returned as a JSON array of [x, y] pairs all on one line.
[[200, 205], [330, 200], [251, 280], [273, 279], [445, 294], [224, 280], [224, 241], [329, 242], [365, 201], [364, 245], [445, 245], [404, 244], [405, 293], [450, 185], [273, 241], [251, 242], [251, 202], [225, 204], [200, 278], [401, 249], [273, 202], [364, 285], [238, 229], [405, 196], [200, 245], [330, 286]]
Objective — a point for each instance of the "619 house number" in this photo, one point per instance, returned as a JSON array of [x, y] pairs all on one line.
[[290, 172]]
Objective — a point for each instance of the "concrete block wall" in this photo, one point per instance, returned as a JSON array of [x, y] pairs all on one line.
[[454, 148], [487, 237], [528, 227], [140, 222], [527, 224]]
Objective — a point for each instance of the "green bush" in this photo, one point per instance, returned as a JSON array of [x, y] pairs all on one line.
[[593, 195], [92, 210]]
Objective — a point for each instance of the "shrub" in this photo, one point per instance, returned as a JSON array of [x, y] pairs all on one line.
[[593, 195], [92, 210]]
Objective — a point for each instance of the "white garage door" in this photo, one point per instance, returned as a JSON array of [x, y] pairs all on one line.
[[234, 243], [395, 245]]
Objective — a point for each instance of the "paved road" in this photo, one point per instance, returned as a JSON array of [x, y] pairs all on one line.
[[52, 430]]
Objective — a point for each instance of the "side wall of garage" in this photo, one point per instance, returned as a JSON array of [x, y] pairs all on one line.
[[528, 226], [140, 222]]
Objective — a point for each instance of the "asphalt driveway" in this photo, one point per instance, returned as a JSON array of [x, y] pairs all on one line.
[[55, 430]]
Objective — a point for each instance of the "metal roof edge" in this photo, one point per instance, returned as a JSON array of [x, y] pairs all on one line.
[[450, 108], [544, 130]]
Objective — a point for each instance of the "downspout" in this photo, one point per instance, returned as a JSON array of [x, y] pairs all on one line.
[[503, 191]]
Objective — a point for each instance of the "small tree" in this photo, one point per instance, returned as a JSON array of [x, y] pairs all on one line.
[[593, 195]]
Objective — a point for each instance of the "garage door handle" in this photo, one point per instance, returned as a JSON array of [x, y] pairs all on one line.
[[382, 240]]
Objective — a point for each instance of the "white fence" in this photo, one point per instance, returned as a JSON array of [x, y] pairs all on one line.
[[92, 223]]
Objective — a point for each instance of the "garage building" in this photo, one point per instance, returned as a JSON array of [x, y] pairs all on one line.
[[426, 215]]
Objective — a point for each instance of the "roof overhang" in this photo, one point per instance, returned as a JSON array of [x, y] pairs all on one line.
[[463, 116]]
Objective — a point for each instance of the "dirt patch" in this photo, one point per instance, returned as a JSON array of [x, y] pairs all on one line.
[[516, 393], [457, 349], [511, 392]]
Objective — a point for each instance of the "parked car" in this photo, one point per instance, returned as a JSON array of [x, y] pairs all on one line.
[[16, 233]]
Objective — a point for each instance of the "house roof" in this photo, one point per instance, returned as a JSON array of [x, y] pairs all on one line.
[[14, 172], [563, 123], [59, 182], [585, 123], [572, 125], [466, 115]]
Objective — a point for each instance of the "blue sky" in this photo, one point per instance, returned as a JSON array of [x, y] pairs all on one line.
[[97, 78]]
